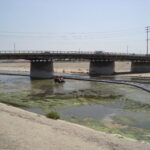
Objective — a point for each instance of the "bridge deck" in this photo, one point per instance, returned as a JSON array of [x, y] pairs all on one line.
[[60, 55]]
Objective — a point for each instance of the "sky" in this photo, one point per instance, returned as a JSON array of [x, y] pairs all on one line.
[[74, 25]]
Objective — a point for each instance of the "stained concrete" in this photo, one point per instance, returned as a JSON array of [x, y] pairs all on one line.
[[140, 67], [101, 68], [41, 70]]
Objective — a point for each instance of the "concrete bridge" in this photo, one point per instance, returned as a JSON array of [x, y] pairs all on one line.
[[100, 63]]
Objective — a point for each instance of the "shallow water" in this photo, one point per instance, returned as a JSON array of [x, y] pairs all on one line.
[[103, 106]]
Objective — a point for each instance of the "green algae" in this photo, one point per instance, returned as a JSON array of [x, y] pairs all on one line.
[[114, 128], [36, 97], [53, 115], [123, 120], [51, 97], [135, 106], [14, 104]]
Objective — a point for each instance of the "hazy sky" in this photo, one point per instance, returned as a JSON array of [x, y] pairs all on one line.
[[108, 25]]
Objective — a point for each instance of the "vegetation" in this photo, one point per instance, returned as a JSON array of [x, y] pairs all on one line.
[[14, 104], [114, 128], [53, 115], [47, 96]]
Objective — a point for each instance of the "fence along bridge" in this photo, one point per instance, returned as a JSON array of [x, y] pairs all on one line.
[[100, 63]]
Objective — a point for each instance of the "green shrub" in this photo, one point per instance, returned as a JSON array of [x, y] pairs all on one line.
[[53, 115]]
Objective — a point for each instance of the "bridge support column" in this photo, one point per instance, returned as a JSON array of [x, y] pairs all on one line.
[[41, 70], [140, 67], [101, 68]]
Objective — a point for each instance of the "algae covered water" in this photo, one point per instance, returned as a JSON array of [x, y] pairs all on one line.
[[109, 107]]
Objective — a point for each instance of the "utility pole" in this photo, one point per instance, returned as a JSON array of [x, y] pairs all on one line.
[[127, 49], [147, 38], [14, 46]]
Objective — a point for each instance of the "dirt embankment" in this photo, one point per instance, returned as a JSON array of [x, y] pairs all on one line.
[[69, 67]]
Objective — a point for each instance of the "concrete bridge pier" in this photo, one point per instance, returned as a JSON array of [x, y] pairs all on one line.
[[101, 68], [140, 67], [41, 69]]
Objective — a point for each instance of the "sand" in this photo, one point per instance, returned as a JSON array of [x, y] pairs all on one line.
[[22, 130], [59, 67], [71, 67]]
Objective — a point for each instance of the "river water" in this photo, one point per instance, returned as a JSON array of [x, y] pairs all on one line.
[[113, 108]]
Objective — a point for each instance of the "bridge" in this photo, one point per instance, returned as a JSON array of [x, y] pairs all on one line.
[[100, 63]]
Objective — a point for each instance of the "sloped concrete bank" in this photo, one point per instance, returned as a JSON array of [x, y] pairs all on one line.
[[22, 130]]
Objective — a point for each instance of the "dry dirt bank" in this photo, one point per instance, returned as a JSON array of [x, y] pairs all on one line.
[[22, 130], [71, 67]]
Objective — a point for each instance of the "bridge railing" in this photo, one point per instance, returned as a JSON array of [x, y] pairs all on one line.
[[45, 52], [65, 52]]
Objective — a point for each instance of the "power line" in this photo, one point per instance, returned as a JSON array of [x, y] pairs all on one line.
[[66, 36], [68, 33]]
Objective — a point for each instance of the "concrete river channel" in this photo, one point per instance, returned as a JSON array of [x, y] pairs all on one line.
[[113, 108]]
